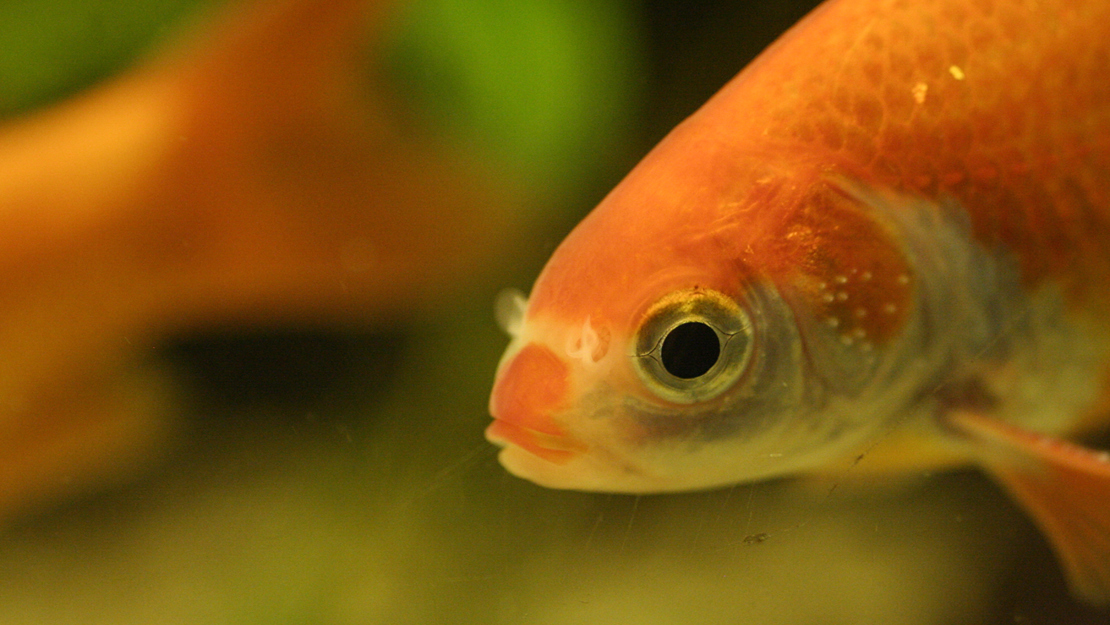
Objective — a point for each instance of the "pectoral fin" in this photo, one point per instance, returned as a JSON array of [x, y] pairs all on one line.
[[1064, 486]]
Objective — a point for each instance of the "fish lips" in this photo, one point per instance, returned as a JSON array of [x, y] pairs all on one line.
[[555, 448]]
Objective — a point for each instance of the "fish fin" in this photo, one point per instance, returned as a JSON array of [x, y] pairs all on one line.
[[1064, 486]]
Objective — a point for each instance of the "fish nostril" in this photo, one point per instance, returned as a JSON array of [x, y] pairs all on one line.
[[509, 309]]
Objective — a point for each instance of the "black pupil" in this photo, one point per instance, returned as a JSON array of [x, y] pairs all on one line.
[[690, 350]]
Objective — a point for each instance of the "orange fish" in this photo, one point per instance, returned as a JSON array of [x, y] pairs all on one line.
[[883, 244], [260, 173]]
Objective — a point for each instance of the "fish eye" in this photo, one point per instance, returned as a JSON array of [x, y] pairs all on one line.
[[693, 345], [690, 350]]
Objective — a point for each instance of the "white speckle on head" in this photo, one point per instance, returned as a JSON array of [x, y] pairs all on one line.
[[508, 309], [890, 309], [956, 72], [841, 296], [919, 90], [903, 279], [860, 313], [865, 276], [832, 322], [840, 279], [827, 298]]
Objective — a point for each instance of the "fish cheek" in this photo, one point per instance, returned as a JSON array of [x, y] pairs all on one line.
[[704, 446], [655, 425], [763, 401]]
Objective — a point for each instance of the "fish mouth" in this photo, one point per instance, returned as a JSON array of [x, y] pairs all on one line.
[[551, 447], [531, 388]]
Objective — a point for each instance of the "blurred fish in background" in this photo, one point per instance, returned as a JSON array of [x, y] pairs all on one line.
[[247, 178], [248, 338], [261, 173]]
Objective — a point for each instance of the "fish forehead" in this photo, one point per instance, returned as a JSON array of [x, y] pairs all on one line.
[[640, 232], [691, 214]]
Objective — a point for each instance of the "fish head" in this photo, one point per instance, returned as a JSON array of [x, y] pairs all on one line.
[[672, 352], [671, 396]]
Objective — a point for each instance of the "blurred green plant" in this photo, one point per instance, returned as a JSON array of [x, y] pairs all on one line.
[[52, 48], [548, 86]]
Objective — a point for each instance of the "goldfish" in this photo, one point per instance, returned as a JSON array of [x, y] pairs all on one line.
[[883, 246], [258, 172]]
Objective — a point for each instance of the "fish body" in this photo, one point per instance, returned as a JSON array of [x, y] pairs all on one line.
[[883, 243]]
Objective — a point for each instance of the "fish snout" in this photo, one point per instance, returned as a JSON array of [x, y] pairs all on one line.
[[531, 388]]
